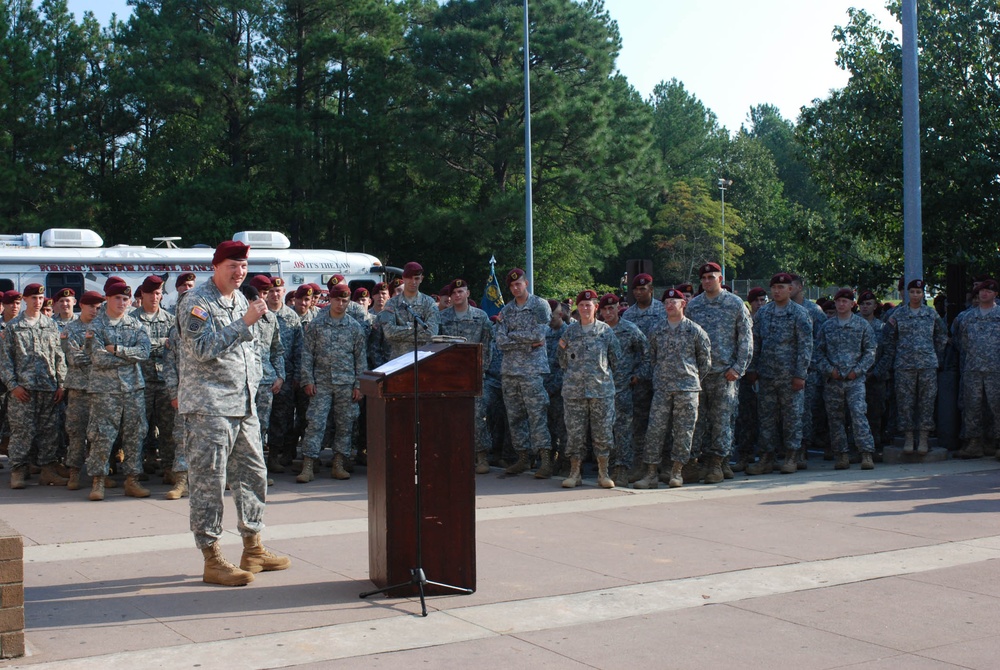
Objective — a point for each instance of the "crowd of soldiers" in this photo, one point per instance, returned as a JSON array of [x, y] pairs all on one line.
[[700, 383]]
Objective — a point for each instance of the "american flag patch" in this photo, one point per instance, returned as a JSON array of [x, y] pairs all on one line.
[[199, 313]]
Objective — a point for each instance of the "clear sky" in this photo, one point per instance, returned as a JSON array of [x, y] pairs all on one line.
[[731, 54]]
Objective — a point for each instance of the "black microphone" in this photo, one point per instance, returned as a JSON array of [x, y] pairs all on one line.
[[250, 292], [415, 316]]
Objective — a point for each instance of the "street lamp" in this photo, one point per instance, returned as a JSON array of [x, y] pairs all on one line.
[[723, 185]]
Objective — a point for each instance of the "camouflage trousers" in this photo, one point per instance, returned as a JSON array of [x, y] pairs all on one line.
[[223, 449], [496, 420], [916, 395], [33, 423], [483, 439], [674, 413], [265, 400], [557, 421], [527, 413], [780, 409], [715, 416], [876, 391], [330, 403], [813, 413], [593, 416], [114, 415], [180, 454], [281, 433], [747, 422], [980, 402], [642, 399], [160, 415], [77, 421], [623, 452], [845, 401]]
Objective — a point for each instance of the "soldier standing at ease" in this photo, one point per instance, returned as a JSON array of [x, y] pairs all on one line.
[[282, 438], [271, 355], [333, 358], [782, 350], [73, 339], [171, 381], [553, 382], [33, 368], [65, 301], [680, 355], [844, 354], [745, 437], [117, 398], [589, 353], [397, 321], [915, 343], [520, 336], [219, 376], [978, 341]]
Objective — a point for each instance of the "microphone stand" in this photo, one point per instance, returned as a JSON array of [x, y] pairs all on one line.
[[417, 576]]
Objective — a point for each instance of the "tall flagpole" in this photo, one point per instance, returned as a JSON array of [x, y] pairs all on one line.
[[529, 265]]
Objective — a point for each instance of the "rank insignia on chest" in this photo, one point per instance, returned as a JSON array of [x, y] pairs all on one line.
[[199, 313]]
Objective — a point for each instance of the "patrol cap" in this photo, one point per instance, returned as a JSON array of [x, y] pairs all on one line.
[[65, 293], [11, 296], [782, 278], [261, 283], [916, 283], [113, 280], [334, 280], [709, 267], [608, 299], [755, 293], [231, 250], [359, 293], [587, 294], [867, 295], [412, 269], [277, 282], [340, 291], [304, 291], [458, 283], [642, 279], [184, 278], [673, 294], [514, 275], [91, 298], [844, 293], [151, 283], [118, 288], [988, 284], [685, 288], [33, 290]]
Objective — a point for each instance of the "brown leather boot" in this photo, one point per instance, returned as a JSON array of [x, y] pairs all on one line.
[[676, 479], [790, 466], [258, 559], [714, 474], [867, 462], [843, 461], [73, 483], [49, 476], [522, 464], [574, 479], [97, 489], [764, 466], [220, 571], [306, 475], [603, 480], [338, 471], [544, 470], [134, 489], [180, 489]]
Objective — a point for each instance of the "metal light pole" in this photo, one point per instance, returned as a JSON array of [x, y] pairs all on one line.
[[529, 265], [913, 256], [723, 185]]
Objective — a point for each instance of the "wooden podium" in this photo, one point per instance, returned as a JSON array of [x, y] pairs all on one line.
[[450, 377]]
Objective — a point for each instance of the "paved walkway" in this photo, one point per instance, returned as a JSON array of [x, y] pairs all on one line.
[[892, 568]]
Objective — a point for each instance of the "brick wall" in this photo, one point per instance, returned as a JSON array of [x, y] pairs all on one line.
[[11, 593]]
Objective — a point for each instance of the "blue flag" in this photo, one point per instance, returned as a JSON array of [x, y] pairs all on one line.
[[492, 297]]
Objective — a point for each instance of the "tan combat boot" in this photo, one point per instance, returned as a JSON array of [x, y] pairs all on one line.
[[843, 461], [676, 475], [544, 470], [922, 447], [790, 466], [714, 474], [637, 473], [274, 466], [522, 463], [110, 483], [650, 481], [306, 475], [908, 442], [97, 489], [867, 462], [727, 470], [974, 449], [258, 559], [764, 466], [619, 475], [574, 479], [73, 483], [482, 463], [603, 480], [50, 477], [180, 489], [134, 489], [338, 471], [17, 477], [220, 571]]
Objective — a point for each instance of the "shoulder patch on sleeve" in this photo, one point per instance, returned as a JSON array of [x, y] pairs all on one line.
[[199, 313]]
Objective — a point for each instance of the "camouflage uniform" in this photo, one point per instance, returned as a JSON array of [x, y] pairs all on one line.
[[378, 350], [496, 411], [30, 357], [62, 323], [397, 323], [170, 374], [782, 350], [726, 319], [747, 421], [474, 326], [846, 346], [589, 356], [978, 341], [74, 340], [915, 343], [281, 433], [553, 383], [271, 357], [633, 364], [680, 357], [813, 421], [649, 321], [160, 414], [521, 327], [219, 376], [876, 385], [333, 357], [117, 399]]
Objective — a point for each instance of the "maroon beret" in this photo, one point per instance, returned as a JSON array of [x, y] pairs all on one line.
[[117, 288], [91, 298], [756, 292], [230, 250], [277, 282], [334, 280], [709, 267], [184, 278], [10, 297], [151, 283], [379, 287], [866, 295], [261, 283], [445, 290], [394, 284], [340, 291], [32, 290], [359, 293], [685, 288], [412, 269], [642, 279], [673, 294], [781, 278], [514, 275], [304, 291], [458, 283], [844, 293], [113, 280], [587, 294], [608, 299], [66, 293], [47, 302], [988, 284], [916, 283]]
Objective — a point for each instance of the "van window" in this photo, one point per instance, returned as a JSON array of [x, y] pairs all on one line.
[[6, 285], [57, 281]]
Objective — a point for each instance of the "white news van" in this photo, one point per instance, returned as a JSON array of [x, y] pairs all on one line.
[[78, 259]]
